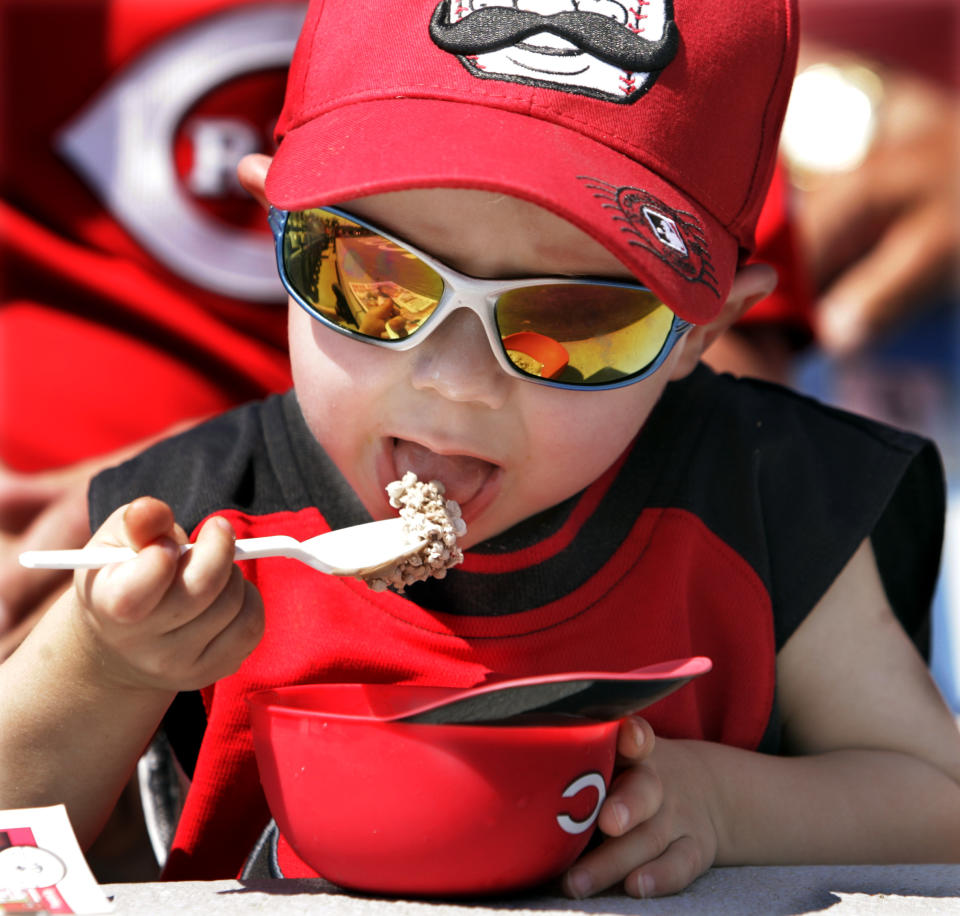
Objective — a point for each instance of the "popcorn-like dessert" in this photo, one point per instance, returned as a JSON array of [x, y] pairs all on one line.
[[430, 517]]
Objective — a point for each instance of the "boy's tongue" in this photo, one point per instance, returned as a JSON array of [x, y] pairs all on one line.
[[461, 475]]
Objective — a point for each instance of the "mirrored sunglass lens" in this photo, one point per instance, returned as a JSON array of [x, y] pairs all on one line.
[[587, 334], [356, 278]]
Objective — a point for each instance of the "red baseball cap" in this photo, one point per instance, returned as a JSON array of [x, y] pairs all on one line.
[[652, 125]]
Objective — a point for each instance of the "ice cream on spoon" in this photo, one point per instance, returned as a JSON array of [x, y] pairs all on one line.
[[429, 517]]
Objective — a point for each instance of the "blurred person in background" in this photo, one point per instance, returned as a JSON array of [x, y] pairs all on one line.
[[871, 152], [127, 246], [873, 146]]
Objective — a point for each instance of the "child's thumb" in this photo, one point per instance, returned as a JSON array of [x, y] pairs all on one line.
[[143, 521], [635, 739]]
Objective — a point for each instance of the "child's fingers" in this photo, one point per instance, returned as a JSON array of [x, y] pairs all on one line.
[[228, 622], [680, 864], [213, 643], [635, 740], [201, 626], [127, 592], [231, 645], [613, 860], [635, 796], [145, 520], [157, 582], [204, 572]]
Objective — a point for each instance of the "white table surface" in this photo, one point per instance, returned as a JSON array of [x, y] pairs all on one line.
[[753, 891]]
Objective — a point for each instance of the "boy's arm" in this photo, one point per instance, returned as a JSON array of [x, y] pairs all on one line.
[[66, 735], [875, 776], [87, 688], [880, 779]]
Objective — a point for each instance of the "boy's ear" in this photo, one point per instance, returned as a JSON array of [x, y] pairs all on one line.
[[751, 284], [252, 172]]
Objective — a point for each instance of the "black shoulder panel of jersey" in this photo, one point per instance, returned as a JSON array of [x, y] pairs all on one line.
[[795, 486], [257, 459]]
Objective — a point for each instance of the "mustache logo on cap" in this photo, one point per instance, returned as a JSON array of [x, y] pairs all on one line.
[[493, 28]]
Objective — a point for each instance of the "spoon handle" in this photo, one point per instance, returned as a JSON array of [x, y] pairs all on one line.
[[95, 557], [83, 558]]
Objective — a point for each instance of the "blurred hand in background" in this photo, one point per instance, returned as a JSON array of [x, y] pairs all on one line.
[[881, 235]]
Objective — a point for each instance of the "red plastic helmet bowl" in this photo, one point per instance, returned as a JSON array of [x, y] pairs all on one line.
[[426, 810]]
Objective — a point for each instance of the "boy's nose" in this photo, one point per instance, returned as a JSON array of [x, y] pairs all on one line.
[[456, 361]]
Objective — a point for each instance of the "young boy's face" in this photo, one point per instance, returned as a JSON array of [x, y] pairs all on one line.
[[504, 448]]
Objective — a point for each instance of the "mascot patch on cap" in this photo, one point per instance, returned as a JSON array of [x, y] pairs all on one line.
[[605, 49]]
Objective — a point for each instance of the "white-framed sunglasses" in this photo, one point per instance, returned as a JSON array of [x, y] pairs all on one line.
[[363, 282]]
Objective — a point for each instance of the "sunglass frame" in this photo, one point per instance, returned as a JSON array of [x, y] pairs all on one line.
[[463, 291]]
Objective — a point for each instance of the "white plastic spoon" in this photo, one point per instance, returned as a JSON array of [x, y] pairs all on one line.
[[358, 550]]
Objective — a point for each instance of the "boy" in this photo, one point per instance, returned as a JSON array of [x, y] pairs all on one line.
[[624, 505]]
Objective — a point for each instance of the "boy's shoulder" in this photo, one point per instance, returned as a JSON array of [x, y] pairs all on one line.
[[796, 485], [787, 438], [776, 409], [230, 461]]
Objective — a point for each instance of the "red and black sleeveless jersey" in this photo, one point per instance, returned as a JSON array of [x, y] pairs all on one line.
[[715, 534]]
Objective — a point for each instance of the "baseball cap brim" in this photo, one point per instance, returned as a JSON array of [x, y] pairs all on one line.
[[382, 145]]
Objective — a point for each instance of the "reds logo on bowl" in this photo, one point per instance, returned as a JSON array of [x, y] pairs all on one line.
[[160, 145], [591, 780], [606, 49]]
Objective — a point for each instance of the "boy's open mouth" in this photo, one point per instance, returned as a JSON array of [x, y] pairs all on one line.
[[463, 476]]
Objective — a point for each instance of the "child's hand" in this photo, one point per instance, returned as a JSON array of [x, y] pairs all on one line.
[[161, 620], [660, 835]]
